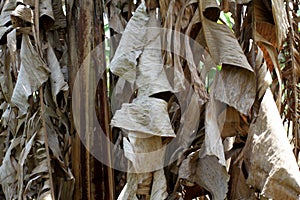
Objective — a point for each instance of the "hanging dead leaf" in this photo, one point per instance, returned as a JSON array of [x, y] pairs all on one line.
[[206, 172], [32, 75], [268, 156], [124, 61], [142, 115]]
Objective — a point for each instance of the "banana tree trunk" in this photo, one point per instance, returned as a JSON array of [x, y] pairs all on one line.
[[85, 32]]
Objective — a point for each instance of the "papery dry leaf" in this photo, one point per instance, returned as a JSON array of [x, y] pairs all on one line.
[[130, 188], [236, 87], [4, 30], [270, 53], [131, 45], [21, 13], [116, 20], [8, 7], [158, 186], [263, 75], [232, 123], [198, 85], [213, 142], [268, 156], [206, 172], [188, 129], [172, 50], [281, 21], [46, 13], [223, 46], [118, 96], [147, 115], [238, 189], [272, 23], [56, 78], [145, 153], [151, 77], [147, 156], [12, 46], [32, 75], [8, 171], [54, 142], [23, 157], [6, 78]]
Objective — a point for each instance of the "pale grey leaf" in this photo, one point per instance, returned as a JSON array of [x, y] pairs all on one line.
[[131, 45], [146, 115], [206, 172], [129, 190], [8, 7], [56, 78], [151, 77], [4, 30], [122, 93], [268, 155], [213, 145], [46, 13], [116, 20], [236, 87], [159, 186], [146, 154], [33, 73]]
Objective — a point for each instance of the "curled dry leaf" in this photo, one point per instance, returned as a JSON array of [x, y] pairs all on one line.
[[158, 190], [46, 13], [268, 156], [238, 188], [263, 75], [8, 171], [124, 61], [151, 77], [146, 115], [20, 14], [213, 142], [236, 72], [271, 55], [223, 46]]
